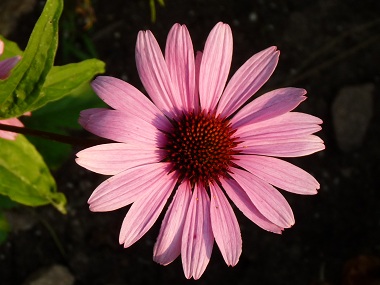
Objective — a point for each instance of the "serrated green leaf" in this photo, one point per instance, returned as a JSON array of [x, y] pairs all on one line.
[[24, 176], [63, 80], [10, 49], [23, 87]]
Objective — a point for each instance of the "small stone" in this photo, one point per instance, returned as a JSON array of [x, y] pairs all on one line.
[[352, 111], [53, 275]]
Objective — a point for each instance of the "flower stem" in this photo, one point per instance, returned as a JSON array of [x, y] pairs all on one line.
[[85, 142]]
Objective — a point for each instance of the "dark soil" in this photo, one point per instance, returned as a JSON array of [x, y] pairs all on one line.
[[325, 45]]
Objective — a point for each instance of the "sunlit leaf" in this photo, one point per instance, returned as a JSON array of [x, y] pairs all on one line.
[[23, 87], [24, 176], [63, 80]]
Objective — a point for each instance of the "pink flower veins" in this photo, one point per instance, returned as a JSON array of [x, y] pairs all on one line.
[[197, 142]]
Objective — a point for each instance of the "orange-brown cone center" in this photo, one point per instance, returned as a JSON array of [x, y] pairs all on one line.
[[201, 147]]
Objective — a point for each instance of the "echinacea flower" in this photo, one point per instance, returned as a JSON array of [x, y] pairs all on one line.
[[199, 141], [5, 68]]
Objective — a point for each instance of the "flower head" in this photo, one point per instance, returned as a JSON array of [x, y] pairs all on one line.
[[198, 141], [5, 68]]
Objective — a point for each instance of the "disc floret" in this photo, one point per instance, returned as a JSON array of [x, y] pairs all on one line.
[[201, 147]]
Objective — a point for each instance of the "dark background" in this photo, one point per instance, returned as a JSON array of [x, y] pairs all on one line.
[[329, 47]]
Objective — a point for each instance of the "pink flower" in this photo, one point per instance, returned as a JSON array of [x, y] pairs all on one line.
[[7, 64], [10, 122], [5, 68], [198, 139]]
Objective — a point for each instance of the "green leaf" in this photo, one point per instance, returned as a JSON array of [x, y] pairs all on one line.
[[24, 176], [10, 49], [23, 87], [63, 80]]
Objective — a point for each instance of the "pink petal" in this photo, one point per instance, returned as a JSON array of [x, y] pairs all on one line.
[[269, 105], [10, 122], [179, 55], [154, 74], [266, 198], [198, 60], [247, 80], [7, 65], [1, 47], [144, 212], [113, 158], [128, 186], [215, 66], [282, 147], [121, 127], [288, 125], [168, 244], [225, 226], [121, 95], [279, 173], [245, 205], [197, 238]]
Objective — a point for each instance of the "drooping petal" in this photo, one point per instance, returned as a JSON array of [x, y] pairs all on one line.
[[121, 95], [7, 65], [179, 55], [245, 205], [266, 198], [10, 122], [144, 212], [113, 158], [282, 147], [247, 80], [130, 185], [215, 66], [197, 238], [279, 173], [225, 226], [121, 127], [269, 105], [288, 125], [168, 244], [154, 74]]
